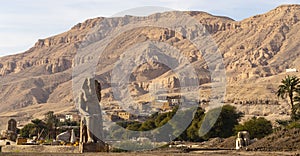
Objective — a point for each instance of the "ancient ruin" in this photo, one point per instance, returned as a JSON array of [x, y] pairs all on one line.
[[91, 127], [11, 132], [243, 139], [12, 125]]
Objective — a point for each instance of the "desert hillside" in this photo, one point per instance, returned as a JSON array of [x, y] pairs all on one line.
[[256, 52]]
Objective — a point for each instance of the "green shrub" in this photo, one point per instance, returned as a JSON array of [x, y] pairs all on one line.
[[224, 125], [227, 118], [295, 124], [28, 130], [257, 127]]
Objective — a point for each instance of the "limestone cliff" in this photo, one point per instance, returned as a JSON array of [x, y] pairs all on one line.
[[256, 52]]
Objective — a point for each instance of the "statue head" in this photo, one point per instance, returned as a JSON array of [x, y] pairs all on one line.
[[92, 87]]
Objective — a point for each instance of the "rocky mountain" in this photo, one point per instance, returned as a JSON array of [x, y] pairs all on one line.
[[256, 52]]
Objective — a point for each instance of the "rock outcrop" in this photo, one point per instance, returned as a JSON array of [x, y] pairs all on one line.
[[256, 53]]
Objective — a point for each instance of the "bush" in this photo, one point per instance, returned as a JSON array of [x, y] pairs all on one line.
[[295, 124], [225, 123], [227, 118], [28, 131], [257, 127]]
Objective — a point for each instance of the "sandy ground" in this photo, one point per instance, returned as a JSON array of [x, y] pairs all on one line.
[[214, 153]]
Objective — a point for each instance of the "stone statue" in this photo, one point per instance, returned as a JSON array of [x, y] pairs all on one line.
[[12, 125], [11, 132], [91, 128], [243, 139]]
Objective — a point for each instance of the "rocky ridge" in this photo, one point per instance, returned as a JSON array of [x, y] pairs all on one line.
[[256, 52]]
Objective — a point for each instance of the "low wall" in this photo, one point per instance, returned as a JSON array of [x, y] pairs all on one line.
[[39, 149]]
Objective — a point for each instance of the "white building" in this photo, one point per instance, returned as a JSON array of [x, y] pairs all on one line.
[[291, 70]]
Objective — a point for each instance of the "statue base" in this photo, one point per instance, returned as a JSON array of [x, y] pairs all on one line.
[[92, 147]]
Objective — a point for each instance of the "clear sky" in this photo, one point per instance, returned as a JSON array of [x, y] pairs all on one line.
[[23, 22]]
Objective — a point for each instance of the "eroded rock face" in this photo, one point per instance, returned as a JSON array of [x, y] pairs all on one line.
[[255, 50], [50, 65]]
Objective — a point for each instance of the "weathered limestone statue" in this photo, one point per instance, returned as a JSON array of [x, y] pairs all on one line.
[[91, 128], [11, 132], [243, 139], [12, 125]]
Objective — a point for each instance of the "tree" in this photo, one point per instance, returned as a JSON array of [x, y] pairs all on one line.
[[147, 125], [51, 123], [68, 122], [32, 129], [192, 132], [28, 130], [134, 126], [289, 86], [224, 126], [257, 127], [39, 125]]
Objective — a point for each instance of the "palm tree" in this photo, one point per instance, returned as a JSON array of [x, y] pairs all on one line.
[[297, 100], [289, 86], [51, 124], [39, 125]]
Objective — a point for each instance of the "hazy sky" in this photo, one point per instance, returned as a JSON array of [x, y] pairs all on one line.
[[23, 22]]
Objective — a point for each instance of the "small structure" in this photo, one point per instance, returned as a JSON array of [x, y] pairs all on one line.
[[167, 106], [73, 137], [242, 140], [144, 106], [291, 70], [125, 115], [175, 100], [73, 117], [65, 136], [61, 117], [21, 141]]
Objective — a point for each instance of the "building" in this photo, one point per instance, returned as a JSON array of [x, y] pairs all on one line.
[[73, 117], [167, 106], [144, 106], [125, 115], [161, 99], [291, 70], [61, 117], [176, 101]]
